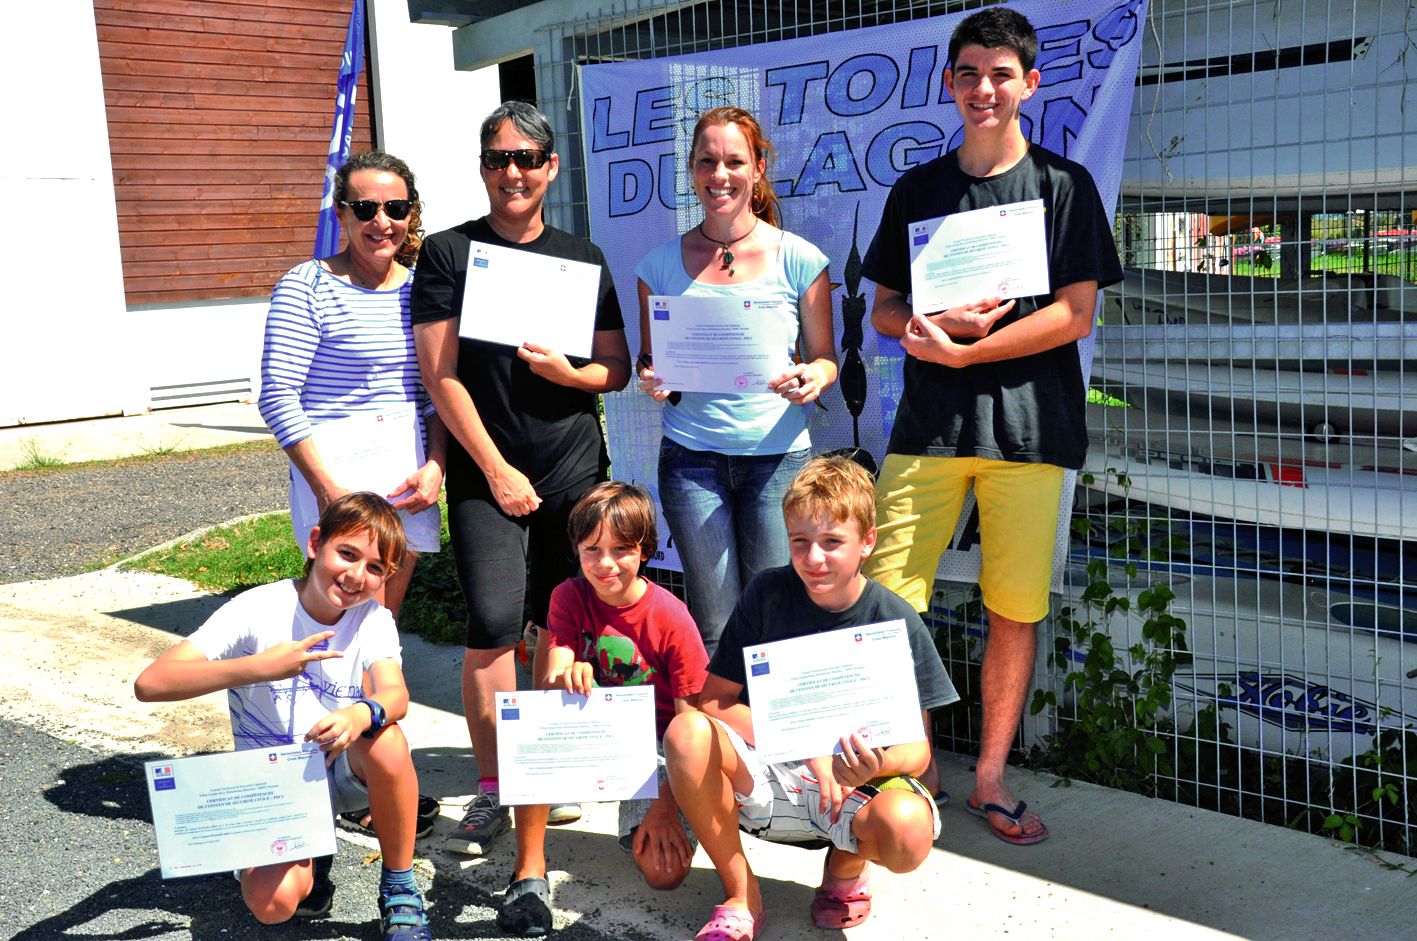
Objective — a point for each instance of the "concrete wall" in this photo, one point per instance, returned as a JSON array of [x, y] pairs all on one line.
[[67, 348], [429, 113]]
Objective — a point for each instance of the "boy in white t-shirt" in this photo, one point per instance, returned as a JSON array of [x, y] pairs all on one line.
[[291, 656]]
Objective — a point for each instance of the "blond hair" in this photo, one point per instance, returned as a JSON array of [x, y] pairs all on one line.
[[832, 487]]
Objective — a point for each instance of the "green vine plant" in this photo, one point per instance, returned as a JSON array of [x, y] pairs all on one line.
[[1373, 798], [1113, 725]]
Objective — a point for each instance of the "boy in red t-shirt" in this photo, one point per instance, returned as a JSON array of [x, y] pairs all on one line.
[[613, 627]]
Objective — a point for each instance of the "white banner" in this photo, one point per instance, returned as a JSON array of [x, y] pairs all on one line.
[[848, 113]]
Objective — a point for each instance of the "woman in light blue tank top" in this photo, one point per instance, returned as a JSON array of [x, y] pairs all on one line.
[[727, 457]]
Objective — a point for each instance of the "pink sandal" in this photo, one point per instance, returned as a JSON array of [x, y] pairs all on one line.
[[728, 923], [842, 903]]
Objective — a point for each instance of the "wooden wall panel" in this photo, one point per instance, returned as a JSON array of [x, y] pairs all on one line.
[[219, 117]]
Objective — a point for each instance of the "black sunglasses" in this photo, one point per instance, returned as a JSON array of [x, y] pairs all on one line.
[[366, 209], [524, 159]]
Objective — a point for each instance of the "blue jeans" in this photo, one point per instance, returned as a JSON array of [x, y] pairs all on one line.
[[725, 514]]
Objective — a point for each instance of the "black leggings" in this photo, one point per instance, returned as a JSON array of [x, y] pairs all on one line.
[[509, 565]]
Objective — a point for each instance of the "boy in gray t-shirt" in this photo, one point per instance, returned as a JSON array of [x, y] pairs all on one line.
[[862, 802]]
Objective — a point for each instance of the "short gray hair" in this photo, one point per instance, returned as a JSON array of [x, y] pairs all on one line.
[[526, 118]]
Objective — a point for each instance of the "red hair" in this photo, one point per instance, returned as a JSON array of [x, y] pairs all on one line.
[[765, 204]]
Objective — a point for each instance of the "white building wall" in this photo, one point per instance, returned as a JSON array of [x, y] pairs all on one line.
[[68, 347], [429, 113], [73, 349]]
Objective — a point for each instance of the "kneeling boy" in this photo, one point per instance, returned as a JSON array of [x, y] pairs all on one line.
[[291, 656], [863, 803], [610, 626]]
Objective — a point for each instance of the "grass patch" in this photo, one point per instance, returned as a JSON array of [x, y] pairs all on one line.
[[36, 458], [433, 608], [231, 559]]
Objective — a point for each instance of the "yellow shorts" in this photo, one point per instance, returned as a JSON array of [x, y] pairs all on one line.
[[918, 502]]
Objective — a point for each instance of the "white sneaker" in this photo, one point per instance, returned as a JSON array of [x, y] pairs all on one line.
[[562, 814]]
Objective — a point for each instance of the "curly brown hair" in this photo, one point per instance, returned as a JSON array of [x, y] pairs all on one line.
[[378, 160]]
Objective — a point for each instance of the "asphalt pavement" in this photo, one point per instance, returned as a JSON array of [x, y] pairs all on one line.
[[80, 862]]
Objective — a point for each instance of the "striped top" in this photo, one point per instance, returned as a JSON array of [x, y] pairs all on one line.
[[333, 349]]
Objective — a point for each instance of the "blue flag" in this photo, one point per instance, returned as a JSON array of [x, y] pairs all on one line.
[[327, 228]]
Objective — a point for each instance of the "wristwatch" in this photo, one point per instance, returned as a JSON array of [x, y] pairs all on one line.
[[376, 717]]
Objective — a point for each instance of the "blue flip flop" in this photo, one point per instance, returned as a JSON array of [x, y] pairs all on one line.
[[1016, 815]]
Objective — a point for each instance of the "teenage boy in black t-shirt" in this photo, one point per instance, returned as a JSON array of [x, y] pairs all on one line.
[[525, 439], [994, 392]]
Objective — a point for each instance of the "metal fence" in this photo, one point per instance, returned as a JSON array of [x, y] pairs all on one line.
[[1249, 489]]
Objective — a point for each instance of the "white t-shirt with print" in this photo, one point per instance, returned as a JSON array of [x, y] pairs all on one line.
[[281, 712]]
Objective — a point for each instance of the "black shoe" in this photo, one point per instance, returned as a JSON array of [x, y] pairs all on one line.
[[360, 821], [322, 893], [526, 909]]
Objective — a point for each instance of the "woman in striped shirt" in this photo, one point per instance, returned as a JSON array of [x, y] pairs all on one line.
[[338, 343]]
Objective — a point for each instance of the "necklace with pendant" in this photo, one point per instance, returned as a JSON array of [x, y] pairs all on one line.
[[727, 263]]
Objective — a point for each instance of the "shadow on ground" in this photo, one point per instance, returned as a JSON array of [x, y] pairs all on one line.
[[180, 617]]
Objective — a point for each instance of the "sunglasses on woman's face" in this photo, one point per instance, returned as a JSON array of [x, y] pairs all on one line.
[[524, 159], [366, 209]]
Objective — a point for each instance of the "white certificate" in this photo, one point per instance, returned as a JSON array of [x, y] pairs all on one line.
[[558, 747], [517, 297], [374, 452], [967, 256], [809, 692], [720, 344], [214, 813]]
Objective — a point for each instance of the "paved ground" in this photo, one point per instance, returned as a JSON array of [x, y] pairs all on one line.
[[60, 521], [80, 861]]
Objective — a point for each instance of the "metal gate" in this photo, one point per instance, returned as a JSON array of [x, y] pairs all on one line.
[[1250, 488]]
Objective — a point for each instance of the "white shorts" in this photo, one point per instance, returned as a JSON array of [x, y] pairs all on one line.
[[785, 805], [421, 529]]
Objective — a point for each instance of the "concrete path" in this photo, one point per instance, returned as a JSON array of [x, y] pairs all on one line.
[[1117, 865], [158, 432]]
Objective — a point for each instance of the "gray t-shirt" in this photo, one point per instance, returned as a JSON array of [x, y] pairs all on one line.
[[775, 606]]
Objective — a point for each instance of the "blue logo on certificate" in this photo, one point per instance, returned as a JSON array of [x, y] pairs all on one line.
[[479, 262], [511, 714], [760, 669], [919, 235], [163, 779], [661, 315], [759, 663]]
